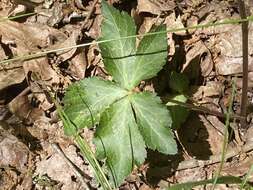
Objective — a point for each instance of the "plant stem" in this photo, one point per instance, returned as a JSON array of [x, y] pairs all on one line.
[[244, 98], [225, 141], [48, 51]]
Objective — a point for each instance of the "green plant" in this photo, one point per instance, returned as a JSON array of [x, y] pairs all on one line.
[[128, 121]]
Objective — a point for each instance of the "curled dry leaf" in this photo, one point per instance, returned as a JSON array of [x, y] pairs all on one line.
[[12, 152], [78, 65], [200, 53], [21, 107]]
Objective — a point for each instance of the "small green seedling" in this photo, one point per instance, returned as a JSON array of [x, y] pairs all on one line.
[[127, 121]]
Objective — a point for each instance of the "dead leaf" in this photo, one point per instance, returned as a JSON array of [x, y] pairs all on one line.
[[231, 65], [22, 108], [55, 167], [12, 152], [173, 22], [212, 88], [198, 52], [22, 39], [78, 65], [11, 76], [69, 42], [155, 7]]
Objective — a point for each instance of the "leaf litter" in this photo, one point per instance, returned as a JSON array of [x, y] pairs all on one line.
[[209, 57]]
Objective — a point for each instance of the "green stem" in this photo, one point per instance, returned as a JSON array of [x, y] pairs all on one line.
[[225, 141], [87, 152], [40, 54], [2, 19]]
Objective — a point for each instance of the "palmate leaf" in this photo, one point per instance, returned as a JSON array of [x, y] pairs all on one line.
[[85, 100], [129, 121], [127, 65], [154, 120], [119, 141]]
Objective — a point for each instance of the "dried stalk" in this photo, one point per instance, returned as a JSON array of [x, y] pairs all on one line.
[[244, 98]]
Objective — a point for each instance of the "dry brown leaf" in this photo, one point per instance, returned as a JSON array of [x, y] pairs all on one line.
[[11, 76], [231, 65], [212, 88], [22, 108], [173, 22], [78, 65], [22, 39], [70, 41], [200, 52], [57, 168], [155, 7], [12, 152]]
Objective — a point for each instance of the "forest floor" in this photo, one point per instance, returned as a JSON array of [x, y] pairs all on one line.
[[31, 133]]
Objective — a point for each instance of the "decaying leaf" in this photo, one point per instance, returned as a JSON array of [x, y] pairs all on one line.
[[55, 167], [12, 152], [11, 76], [199, 53], [230, 46], [78, 65], [21, 39], [155, 7], [69, 42], [22, 108]]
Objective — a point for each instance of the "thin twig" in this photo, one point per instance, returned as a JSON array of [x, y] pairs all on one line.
[[244, 98], [206, 110]]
